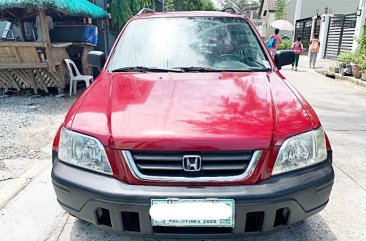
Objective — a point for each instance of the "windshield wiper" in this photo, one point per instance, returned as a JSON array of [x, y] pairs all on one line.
[[207, 69], [247, 70], [145, 69], [198, 69]]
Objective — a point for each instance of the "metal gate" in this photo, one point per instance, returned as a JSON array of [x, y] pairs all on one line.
[[340, 35], [303, 30], [317, 26]]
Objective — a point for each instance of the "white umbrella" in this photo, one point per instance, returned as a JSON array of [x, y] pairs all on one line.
[[282, 25]]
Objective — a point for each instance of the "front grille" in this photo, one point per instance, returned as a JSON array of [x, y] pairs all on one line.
[[170, 164]]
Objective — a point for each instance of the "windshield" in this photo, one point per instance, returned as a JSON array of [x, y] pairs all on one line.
[[190, 43]]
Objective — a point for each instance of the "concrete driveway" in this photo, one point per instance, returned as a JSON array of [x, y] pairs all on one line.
[[35, 215]]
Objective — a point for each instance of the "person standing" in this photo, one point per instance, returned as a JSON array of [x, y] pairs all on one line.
[[273, 42], [314, 46], [297, 48]]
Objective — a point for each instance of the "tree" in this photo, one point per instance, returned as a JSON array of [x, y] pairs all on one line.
[[189, 5], [122, 10], [280, 9]]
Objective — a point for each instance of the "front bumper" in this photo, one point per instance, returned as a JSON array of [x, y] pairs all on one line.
[[119, 207]]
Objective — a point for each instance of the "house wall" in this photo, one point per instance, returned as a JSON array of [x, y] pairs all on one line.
[[267, 17], [269, 30], [309, 7]]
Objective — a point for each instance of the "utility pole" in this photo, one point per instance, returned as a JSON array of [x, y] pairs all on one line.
[[297, 11], [361, 16]]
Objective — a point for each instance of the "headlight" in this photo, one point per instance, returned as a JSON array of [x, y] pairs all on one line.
[[83, 151], [301, 151]]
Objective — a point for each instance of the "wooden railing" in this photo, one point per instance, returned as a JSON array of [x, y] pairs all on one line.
[[21, 55], [21, 65]]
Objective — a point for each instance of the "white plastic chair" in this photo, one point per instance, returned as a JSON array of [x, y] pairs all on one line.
[[74, 79]]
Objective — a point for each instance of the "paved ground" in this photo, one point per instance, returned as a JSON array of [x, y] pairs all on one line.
[[35, 215], [320, 63], [27, 127]]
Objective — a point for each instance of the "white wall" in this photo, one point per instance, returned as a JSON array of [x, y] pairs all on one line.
[[309, 7]]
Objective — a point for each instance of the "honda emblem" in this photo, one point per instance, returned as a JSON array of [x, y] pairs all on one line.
[[192, 163]]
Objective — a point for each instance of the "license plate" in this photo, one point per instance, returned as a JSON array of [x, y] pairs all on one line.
[[192, 212]]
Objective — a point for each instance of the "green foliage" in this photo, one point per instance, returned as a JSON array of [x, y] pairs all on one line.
[[360, 54], [119, 16], [359, 57], [285, 44], [189, 5], [362, 39], [280, 9], [346, 57], [362, 64], [122, 10]]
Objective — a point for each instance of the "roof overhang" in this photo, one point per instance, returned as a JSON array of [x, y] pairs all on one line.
[[68, 7]]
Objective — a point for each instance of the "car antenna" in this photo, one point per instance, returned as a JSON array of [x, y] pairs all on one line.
[[145, 11]]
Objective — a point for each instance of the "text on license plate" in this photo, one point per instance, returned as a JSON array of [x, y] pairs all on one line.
[[193, 212]]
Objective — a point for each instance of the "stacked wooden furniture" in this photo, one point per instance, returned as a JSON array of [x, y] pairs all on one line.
[[40, 65], [21, 66]]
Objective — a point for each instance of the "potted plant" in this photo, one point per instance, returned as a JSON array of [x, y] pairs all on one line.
[[356, 71], [345, 58], [363, 75], [357, 59], [362, 65], [361, 53]]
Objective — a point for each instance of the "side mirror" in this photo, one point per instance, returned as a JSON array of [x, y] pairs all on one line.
[[284, 57], [96, 59]]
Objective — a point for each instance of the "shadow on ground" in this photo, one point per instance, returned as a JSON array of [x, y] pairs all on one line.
[[314, 228]]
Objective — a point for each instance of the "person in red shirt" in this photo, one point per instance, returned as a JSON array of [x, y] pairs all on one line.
[[297, 48], [273, 42]]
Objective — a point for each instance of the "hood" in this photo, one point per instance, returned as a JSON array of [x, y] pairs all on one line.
[[196, 111]]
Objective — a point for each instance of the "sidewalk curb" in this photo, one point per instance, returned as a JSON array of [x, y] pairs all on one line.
[[16, 185], [11, 189], [344, 78], [56, 233]]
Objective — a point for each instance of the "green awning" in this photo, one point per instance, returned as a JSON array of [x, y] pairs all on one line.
[[69, 7]]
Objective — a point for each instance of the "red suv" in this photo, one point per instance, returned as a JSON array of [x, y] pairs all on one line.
[[190, 129]]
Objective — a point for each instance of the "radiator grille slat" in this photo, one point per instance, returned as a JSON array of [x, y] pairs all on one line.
[[213, 163], [224, 167], [159, 166], [152, 157]]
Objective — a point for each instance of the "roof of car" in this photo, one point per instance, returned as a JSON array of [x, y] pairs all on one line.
[[188, 14]]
